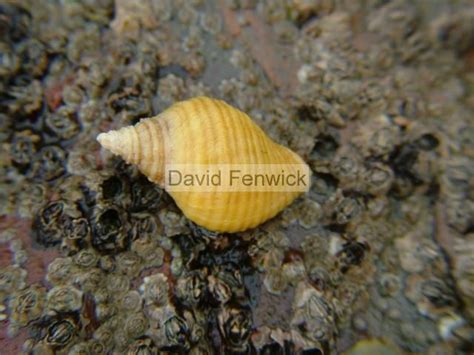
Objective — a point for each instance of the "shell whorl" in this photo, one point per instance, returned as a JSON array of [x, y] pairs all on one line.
[[142, 145], [206, 131]]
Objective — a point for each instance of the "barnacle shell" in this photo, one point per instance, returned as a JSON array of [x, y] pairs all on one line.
[[61, 332], [206, 131], [64, 299]]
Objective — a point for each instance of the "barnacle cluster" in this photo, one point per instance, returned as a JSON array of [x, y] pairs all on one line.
[[376, 96]]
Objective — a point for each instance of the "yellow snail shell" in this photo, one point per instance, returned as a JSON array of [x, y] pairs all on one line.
[[206, 131]]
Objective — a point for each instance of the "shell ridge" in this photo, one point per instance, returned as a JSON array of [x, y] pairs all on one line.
[[209, 108], [131, 151], [138, 145], [176, 122], [128, 151], [277, 199], [284, 158], [229, 129], [211, 143], [157, 163], [238, 146], [197, 145], [189, 118], [166, 132], [146, 161], [243, 201], [257, 158]]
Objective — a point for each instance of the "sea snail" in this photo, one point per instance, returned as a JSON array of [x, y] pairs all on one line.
[[209, 133]]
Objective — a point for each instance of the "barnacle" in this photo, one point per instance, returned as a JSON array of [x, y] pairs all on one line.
[[309, 212], [267, 251], [117, 284], [49, 163], [27, 305], [110, 229], [144, 226], [55, 224], [61, 271], [135, 325], [129, 263], [155, 289], [76, 234], [29, 99], [62, 123], [294, 270], [389, 284], [61, 332], [115, 189], [48, 223], [11, 278], [275, 281], [73, 95], [347, 167], [90, 281], [347, 209], [34, 56], [64, 299], [105, 333], [211, 23], [174, 223], [150, 253], [177, 332], [313, 314], [192, 288], [131, 301], [319, 278], [23, 147], [378, 179], [225, 284], [352, 253], [438, 293], [143, 345], [86, 258], [234, 325], [145, 195], [79, 348], [107, 263], [129, 102], [10, 64]]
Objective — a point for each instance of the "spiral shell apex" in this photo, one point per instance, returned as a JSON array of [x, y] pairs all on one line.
[[220, 141]]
